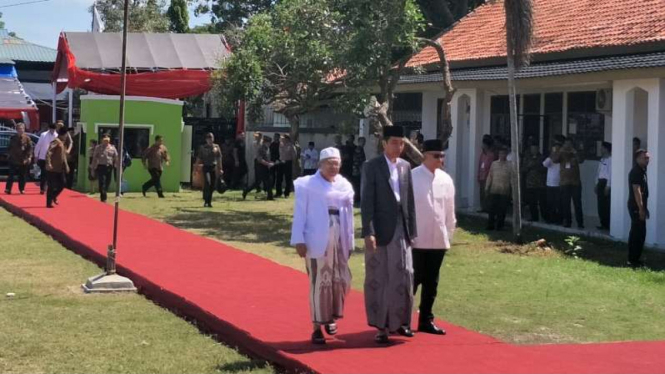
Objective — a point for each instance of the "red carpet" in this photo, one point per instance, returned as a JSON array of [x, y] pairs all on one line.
[[262, 307]]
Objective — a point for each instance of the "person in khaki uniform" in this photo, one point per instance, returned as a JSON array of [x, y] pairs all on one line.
[[153, 159], [104, 160], [20, 155], [210, 155], [56, 168], [498, 188]]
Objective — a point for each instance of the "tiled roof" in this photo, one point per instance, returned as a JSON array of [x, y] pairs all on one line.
[[549, 69], [560, 26], [20, 50]]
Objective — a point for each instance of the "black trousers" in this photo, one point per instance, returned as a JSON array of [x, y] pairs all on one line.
[[263, 179], [104, 174], [209, 179], [571, 193], [257, 175], [284, 175], [228, 168], [306, 172], [43, 175], [155, 181], [553, 205], [536, 199], [498, 208], [55, 183], [638, 233], [426, 267], [356, 182], [70, 175], [239, 173], [604, 203], [16, 171]]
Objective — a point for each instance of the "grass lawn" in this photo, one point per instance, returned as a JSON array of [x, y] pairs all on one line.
[[520, 294], [51, 326]]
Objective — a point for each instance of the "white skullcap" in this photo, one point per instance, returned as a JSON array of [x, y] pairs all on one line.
[[330, 152]]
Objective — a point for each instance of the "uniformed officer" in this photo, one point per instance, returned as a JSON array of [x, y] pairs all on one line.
[[210, 155], [56, 167], [154, 159]]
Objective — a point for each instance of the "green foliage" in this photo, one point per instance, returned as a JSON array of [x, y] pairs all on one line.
[[574, 246], [144, 15], [178, 16], [2, 23]]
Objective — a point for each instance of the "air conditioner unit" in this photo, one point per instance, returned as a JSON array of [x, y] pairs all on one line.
[[604, 100]]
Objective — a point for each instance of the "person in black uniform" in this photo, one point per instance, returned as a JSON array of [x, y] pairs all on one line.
[[264, 167], [210, 155], [274, 158], [637, 207]]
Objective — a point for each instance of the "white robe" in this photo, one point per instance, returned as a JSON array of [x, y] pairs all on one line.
[[434, 195], [314, 196]]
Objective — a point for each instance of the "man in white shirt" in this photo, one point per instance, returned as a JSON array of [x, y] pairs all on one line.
[[310, 160], [41, 149], [553, 215], [603, 184], [434, 194]]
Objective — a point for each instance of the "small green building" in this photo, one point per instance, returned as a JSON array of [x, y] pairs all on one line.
[[145, 117]]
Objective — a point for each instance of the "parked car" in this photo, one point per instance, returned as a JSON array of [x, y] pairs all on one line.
[[5, 135]]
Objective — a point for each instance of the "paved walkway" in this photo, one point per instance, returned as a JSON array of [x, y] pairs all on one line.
[[262, 308]]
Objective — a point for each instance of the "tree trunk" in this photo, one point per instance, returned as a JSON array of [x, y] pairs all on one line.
[[515, 141], [294, 121], [444, 122]]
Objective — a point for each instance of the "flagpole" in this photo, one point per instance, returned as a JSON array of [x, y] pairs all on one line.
[[110, 281]]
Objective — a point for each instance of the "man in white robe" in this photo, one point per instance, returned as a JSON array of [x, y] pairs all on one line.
[[434, 194], [322, 233]]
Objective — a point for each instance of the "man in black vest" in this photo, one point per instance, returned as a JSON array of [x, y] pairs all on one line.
[[637, 207]]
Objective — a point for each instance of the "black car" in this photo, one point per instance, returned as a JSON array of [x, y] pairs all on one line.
[[5, 135]]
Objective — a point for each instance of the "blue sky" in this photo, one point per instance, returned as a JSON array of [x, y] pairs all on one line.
[[41, 23]]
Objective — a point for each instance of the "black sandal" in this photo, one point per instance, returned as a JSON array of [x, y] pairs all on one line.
[[331, 329], [318, 338]]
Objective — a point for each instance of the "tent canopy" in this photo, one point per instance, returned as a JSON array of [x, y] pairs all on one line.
[[147, 51], [159, 65]]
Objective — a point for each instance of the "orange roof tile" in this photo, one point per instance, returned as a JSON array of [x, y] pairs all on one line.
[[560, 25]]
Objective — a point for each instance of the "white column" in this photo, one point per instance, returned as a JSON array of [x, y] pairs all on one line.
[[656, 169], [55, 95], [622, 145], [70, 108], [429, 115]]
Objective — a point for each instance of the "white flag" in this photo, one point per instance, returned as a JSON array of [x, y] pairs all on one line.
[[97, 24]]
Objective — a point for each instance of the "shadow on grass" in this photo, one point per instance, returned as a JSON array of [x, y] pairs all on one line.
[[242, 366], [603, 252], [234, 225]]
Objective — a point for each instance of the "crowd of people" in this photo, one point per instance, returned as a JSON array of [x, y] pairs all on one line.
[[552, 185], [408, 220]]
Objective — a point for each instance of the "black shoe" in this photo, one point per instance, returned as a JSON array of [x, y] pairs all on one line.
[[55, 201], [405, 331], [331, 329], [381, 338], [143, 192], [8, 192], [270, 199], [49, 206], [41, 192], [430, 328], [636, 265], [22, 192], [244, 194], [160, 195], [318, 338]]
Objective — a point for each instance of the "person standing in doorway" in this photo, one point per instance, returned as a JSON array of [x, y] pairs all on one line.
[[389, 227], [534, 176], [19, 156], [104, 161], [287, 153], [603, 186], [359, 159], [41, 148], [434, 194], [571, 184], [263, 166], [210, 155], [56, 167], [154, 159], [498, 188], [322, 233], [310, 159], [637, 207], [487, 156]]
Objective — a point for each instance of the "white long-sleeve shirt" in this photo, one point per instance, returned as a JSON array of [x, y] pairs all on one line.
[[553, 173], [311, 162], [43, 143], [314, 196], [434, 195]]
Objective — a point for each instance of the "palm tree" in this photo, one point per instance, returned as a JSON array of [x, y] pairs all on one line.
[[519, 34]]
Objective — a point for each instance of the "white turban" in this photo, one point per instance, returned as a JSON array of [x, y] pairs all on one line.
[[330, 152]]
